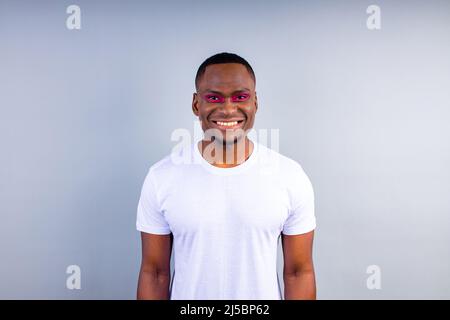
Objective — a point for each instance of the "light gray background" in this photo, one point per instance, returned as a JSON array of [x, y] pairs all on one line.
[[84, 114]]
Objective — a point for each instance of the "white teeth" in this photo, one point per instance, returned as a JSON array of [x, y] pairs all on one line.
[[228, 124]]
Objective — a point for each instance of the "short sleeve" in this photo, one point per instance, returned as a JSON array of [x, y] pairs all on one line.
[[149, 216], [301, 218]]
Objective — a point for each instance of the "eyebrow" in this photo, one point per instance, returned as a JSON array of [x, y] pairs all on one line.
[[218, 92]]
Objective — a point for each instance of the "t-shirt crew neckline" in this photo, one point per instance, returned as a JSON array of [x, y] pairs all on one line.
[[226, 171]]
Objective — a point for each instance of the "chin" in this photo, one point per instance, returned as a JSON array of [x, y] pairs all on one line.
[[231, 140]]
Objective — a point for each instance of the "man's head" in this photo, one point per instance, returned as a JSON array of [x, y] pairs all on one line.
[[225, 100]]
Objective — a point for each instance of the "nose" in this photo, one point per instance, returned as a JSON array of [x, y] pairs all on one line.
[[229, 107]]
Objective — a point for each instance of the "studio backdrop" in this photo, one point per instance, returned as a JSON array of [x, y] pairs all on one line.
[[91, 92]]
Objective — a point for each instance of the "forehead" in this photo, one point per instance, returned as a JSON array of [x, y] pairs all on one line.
[[226, 77]]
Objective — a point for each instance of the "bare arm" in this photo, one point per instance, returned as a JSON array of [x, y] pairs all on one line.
[[298, 271], [154, 276]]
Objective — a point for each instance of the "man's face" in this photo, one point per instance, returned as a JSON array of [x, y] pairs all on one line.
[[226, 101]]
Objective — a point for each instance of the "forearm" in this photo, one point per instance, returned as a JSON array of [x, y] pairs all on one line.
[[153, 285], [300, 285]]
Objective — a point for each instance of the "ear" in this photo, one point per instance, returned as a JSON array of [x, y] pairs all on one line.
[[195, 103], [256, 102]]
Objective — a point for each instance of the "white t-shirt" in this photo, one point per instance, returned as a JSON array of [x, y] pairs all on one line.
[[226, 221]]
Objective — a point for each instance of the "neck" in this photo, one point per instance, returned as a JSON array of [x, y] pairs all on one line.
[[226, 155]]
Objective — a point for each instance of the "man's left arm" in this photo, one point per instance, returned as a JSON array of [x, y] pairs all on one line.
[[298, 271]]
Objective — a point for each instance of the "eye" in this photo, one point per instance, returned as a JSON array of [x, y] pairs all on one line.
[[213, 98], [241, 97]]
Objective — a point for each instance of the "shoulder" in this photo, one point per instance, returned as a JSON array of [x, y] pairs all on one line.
[[161, 165], [287, 171], [170, 165], [284, 165], [291, 176]]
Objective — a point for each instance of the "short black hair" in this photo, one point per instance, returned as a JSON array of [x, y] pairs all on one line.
[[223, 57]]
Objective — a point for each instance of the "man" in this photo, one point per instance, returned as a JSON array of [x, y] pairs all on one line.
[[224, 211]]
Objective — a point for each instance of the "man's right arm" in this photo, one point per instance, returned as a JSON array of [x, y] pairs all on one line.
[[154, 276]]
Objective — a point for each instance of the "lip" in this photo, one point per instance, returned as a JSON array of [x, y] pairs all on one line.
[[228, 120], [240, 123]]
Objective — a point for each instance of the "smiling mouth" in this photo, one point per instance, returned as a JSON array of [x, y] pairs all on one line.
[[228, 124]]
